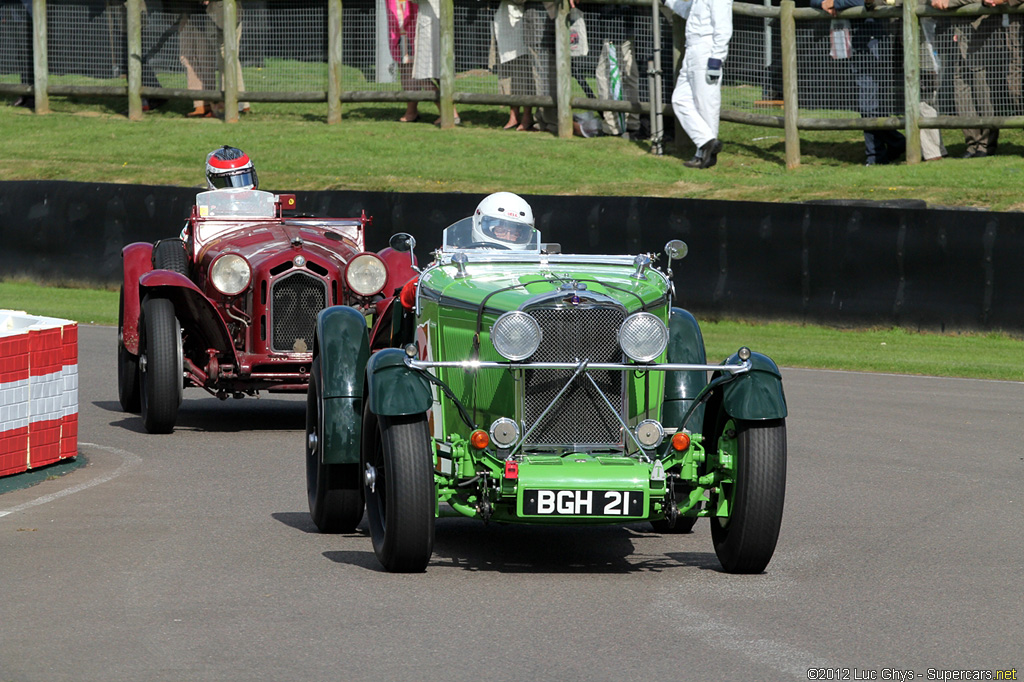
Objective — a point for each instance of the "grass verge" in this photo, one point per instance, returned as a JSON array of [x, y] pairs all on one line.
[[892, 350]]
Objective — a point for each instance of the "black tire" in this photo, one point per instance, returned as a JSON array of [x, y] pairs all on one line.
[[334, 491], [745, 542], [127, 368], [400, 496], [160, 365], [169, 254]]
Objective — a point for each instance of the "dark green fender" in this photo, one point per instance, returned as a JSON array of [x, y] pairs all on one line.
[[396, 390], [686, 346], [756, 395], [343, 346]]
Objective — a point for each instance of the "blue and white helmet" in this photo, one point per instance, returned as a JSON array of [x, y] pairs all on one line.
[[505, 220]]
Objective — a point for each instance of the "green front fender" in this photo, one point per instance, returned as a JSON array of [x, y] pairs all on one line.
[[395, 389], [755, 395], [342, 343], [685, 346]]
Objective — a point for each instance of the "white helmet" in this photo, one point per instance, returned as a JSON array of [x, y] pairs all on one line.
[[505, 220]]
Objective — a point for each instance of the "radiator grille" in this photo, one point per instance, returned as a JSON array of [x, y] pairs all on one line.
[[295, 301], [581, 416]]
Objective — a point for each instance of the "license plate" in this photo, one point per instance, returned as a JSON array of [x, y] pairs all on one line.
[[621, 503]]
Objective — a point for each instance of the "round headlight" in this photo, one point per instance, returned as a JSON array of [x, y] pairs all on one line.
[[516, 335], [643, 337], [366, 274], [230, 274]]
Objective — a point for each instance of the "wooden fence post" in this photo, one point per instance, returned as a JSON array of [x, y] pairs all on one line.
[[563, 71], [230, 74], [39, 61], [447, 82], [912, 81], [791, 104], [133, 25], [334, 54]]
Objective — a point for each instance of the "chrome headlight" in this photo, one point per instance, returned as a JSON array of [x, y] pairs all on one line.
[[230, 274], [643, 337], [366, 274], [516, 335]]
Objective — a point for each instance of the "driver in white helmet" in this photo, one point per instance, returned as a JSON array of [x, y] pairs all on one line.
[[505, 220]]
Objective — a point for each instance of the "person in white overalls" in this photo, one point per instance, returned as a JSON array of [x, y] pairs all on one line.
[[697, 98]]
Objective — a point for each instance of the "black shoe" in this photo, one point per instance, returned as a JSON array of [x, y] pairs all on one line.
[[696, 162], [27, 101], [710, 152]]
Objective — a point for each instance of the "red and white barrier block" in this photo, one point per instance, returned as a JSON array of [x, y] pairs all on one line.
[[38, 391]]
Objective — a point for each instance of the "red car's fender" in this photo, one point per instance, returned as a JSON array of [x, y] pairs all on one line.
[[196, 313], [138, 260], [400, 270]]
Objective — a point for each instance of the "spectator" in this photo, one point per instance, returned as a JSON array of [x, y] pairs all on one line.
[[202, 52], [870, 63], [975, 39], [426, 61], [510, 61], [697, 98], [539, 34], [401, 36]]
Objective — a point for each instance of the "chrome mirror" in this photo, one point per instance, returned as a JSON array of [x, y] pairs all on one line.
[[676, 249]]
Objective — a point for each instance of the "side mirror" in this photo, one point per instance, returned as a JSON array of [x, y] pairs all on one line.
[[676, 249], [403, 241]]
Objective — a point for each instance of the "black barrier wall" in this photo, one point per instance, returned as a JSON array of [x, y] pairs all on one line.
[[833, 263]]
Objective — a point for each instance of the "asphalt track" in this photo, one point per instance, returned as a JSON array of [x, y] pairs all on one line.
[[192, 557]]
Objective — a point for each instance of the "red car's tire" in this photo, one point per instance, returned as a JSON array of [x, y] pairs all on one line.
[[169, 254], [334, 491], [127, 368], [399, 489], [745, 542], [161, 380]]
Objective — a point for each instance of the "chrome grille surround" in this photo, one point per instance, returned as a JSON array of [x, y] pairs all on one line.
[[573, 332], [295, 300]]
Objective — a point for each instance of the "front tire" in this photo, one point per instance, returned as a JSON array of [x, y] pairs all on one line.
[[160, 365], [127, 368], [745, 541], [399, 489], [334, 490]]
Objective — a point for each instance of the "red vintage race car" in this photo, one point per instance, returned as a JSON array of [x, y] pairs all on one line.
[[231, 305]]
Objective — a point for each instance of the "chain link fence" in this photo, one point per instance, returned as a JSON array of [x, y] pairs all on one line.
[[848, 71]]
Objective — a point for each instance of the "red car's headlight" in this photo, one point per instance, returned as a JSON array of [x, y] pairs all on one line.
[[230, 274], [366, 274]]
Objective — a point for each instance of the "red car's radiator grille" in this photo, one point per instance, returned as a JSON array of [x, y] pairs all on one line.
[[295, 300], [581, 416]]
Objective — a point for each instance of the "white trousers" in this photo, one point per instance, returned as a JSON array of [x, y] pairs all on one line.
[[696, 103]]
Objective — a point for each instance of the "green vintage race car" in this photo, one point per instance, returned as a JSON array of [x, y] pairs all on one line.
[[530, 386]]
